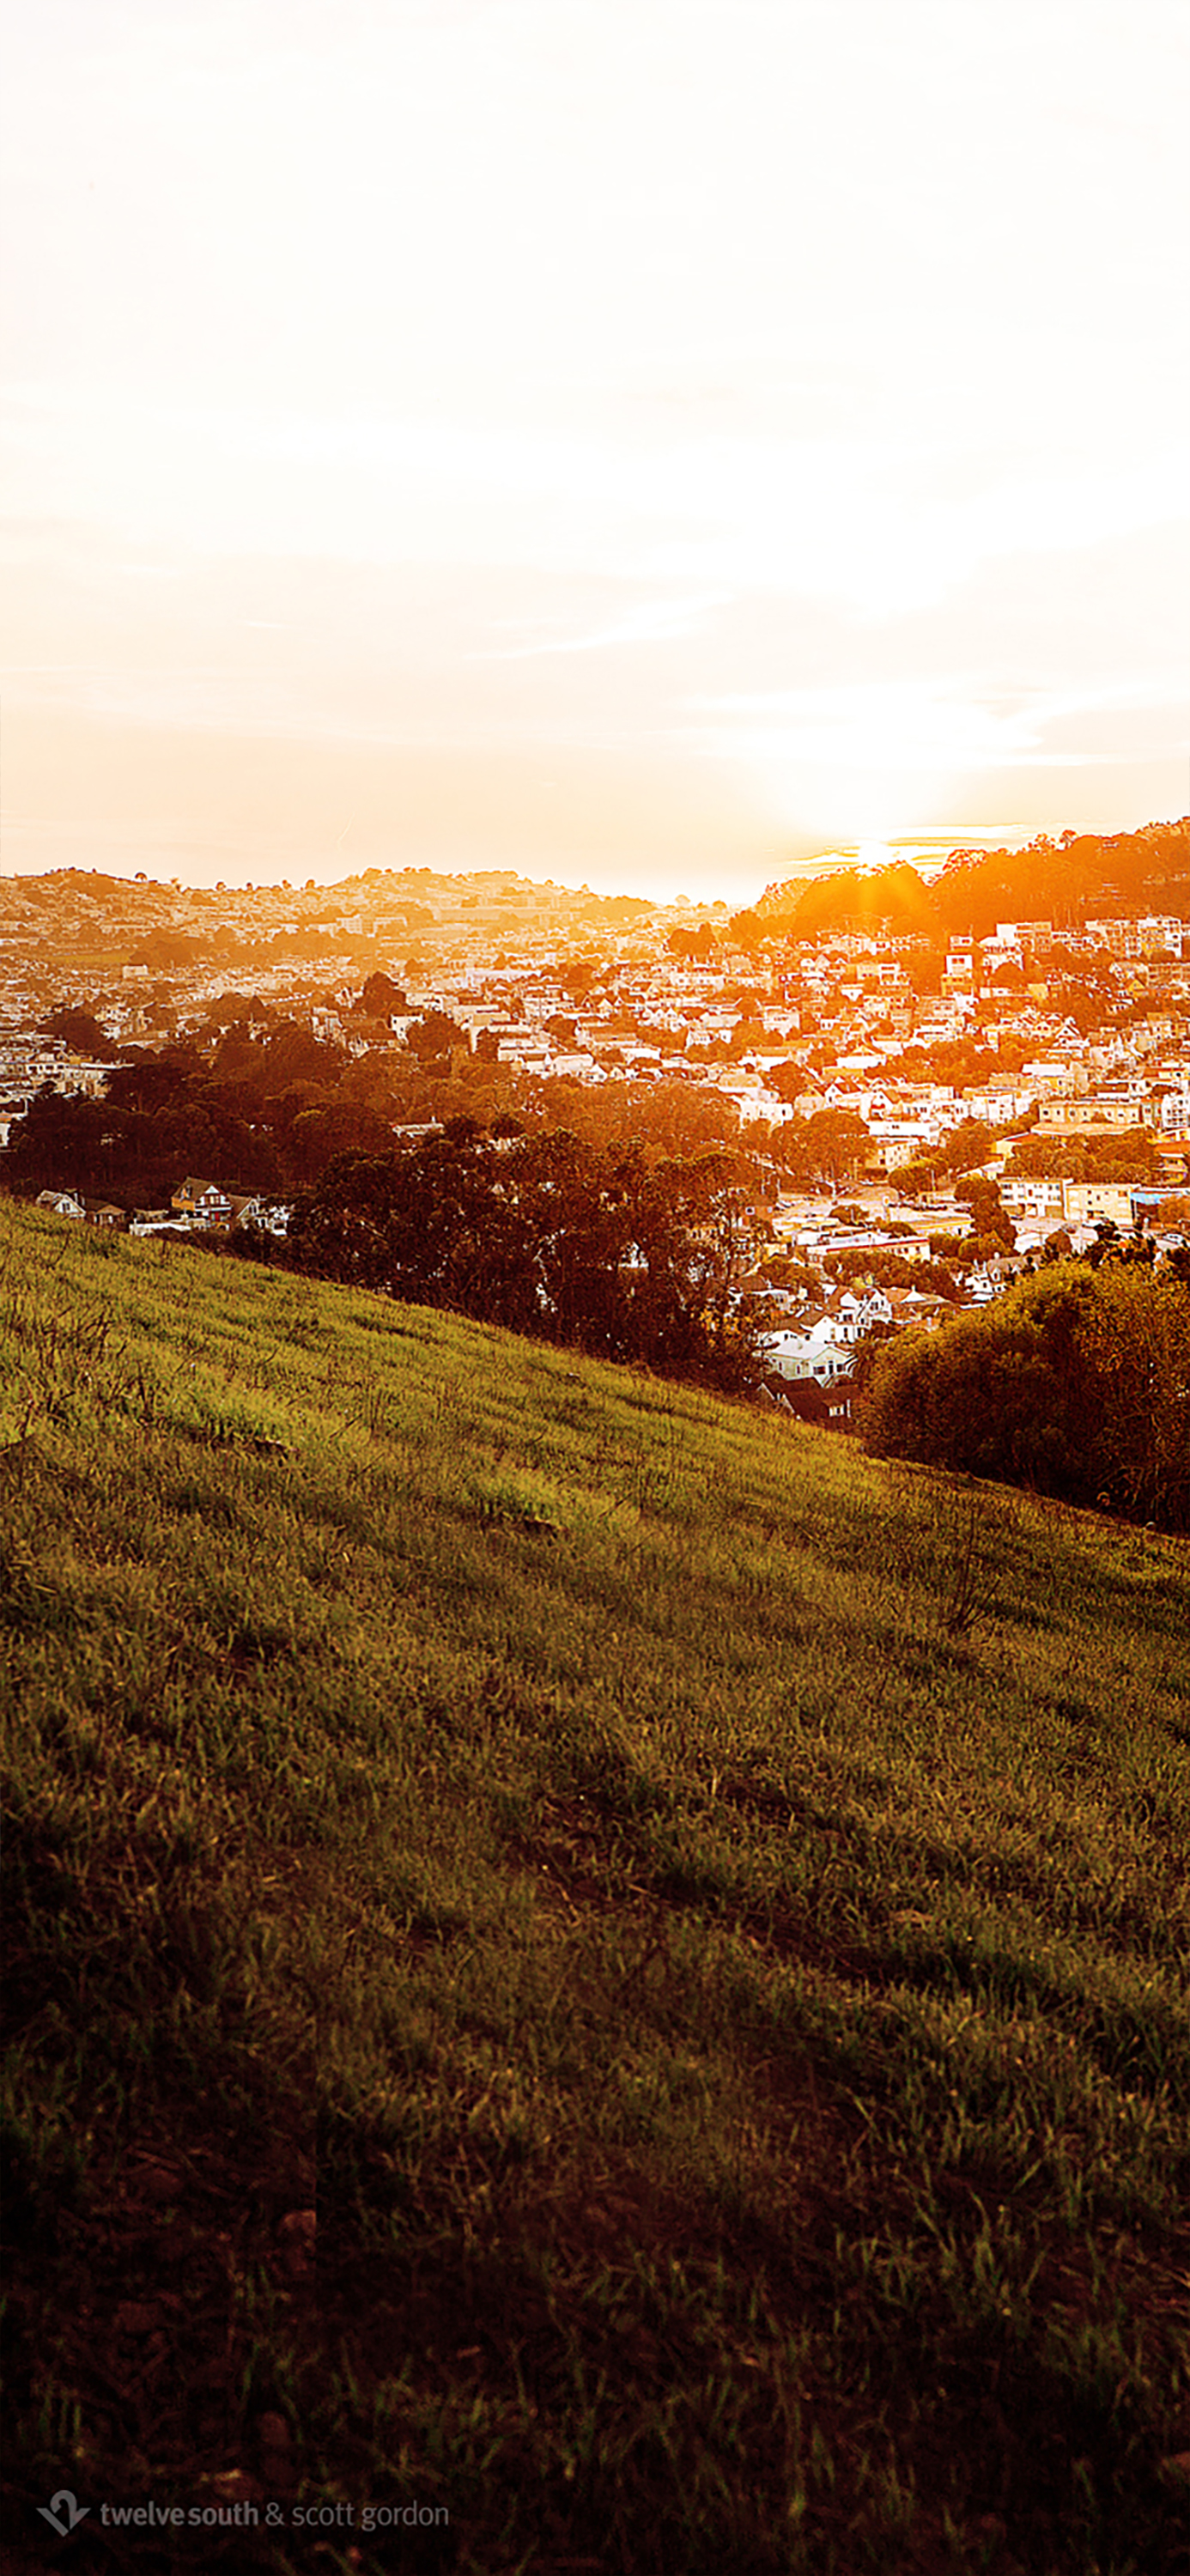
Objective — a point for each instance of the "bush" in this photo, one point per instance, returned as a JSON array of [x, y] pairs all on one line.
[[1076, 1383]]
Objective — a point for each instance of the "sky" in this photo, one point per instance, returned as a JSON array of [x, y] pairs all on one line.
[[639, 442]]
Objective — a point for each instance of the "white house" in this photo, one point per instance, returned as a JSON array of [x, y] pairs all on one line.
[[813, 1351], [60, 1202], [852, 1310]]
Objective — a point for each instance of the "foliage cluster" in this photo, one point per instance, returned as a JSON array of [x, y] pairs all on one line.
[[260, 1106], [1148, 870], [1131, 1156], [934, 1278], [250, 1105], [668, 1116], [603, 1252], [228, 1116], [1075, 1383], [82, 1033], [992, 1230], [827, 1148], [962, 1063], [853, 899]]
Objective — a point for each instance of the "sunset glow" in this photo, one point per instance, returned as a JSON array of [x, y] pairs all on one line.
[[637, 442]]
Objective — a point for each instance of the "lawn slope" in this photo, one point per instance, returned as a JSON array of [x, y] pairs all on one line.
[[584, 1964]]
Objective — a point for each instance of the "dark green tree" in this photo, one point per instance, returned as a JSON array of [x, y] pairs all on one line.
[[1075, 1383], [549, 1236], [82, 1034]]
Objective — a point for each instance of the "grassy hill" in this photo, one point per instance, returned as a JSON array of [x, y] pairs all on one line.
[[584, 1962]]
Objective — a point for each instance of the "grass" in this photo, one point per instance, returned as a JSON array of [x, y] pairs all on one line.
[[579, 1959]]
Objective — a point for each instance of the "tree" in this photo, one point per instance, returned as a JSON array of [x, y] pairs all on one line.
[[380, 999], [578, 977], [967, 1145], [435, 1034], [837, 1144], [322, 1135], [1111, 1245], [1109, 1157], [916, 1180], [893, 898], [665, 1118], [292, 1053], [1076, 1383], [58, 1144], [82, 1033], [871, 1342], [548, 1236], [989, 1215], [882, 1269], [797, 1278]]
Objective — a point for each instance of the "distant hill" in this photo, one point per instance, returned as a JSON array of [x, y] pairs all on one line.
[[584, 1966], [1060, 881]]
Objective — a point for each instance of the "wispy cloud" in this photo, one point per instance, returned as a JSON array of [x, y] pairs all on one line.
[[652, 622], [943, 725]]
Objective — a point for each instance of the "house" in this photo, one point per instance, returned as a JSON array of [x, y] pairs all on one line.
[[60, 1203], [839, 1399], [109, 1219], [854, 1310], [915, 1306], [202, 1202], [828, 1407], [813, 1351], [1173, 1158]]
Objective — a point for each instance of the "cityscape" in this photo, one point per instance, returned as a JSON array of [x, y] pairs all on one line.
[[915, 1114]]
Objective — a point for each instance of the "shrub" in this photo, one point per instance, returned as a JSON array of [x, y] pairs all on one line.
[[1076, 1383]]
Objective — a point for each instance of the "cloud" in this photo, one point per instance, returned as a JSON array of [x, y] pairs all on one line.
[[937, 725], [653, 622]]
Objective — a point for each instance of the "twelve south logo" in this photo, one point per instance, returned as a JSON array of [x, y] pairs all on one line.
[[63, 2503]]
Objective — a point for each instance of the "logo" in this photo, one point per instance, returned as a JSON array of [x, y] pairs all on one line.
[[65, 2503]]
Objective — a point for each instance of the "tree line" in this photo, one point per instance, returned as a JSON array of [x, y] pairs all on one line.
[[260, 1104], [1062, 879], [549, 1236], [257, 1104]]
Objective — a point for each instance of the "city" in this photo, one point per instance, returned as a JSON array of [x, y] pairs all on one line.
[[914, 1115]]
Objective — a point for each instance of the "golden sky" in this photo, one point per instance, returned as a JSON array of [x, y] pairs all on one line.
[[640, 441]]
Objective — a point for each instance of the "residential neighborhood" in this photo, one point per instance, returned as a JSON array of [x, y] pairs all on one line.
[[914, 1113]]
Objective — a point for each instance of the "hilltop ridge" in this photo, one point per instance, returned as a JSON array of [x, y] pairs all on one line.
[[1118, 871]]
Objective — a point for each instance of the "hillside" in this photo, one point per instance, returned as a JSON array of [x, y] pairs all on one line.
[[581, 1961], [1143, 871]]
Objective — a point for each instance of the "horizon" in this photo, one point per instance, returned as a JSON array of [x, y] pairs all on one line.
[[656, 447], [867, 858]]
